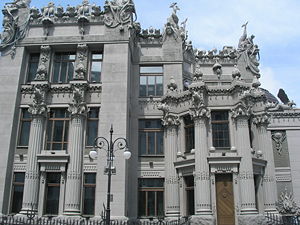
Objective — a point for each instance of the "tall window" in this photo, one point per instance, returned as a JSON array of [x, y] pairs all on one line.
[[96, 64], [89, 187], [17, 195], [151, 197], [52, 193], [57, 130], [92, 126], [33, 66], [63, 67], [150, 138], [220, 129], [24, 129], [151, 81], [189, 129]]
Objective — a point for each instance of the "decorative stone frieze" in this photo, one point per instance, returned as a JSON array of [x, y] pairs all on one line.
[[43, 68], [119, 13], [228, 55], [278, 137]]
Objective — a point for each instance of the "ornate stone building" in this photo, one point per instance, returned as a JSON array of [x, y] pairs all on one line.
[[206, 140]]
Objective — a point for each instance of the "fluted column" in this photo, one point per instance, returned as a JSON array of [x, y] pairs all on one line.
[[265, 145], [248, 206], [78, 112], [172, 208], [31, 183], [202, 178]]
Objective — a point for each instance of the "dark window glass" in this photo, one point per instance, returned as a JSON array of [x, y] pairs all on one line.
[[151, 197], [150, 138], [33, 66], [17, 195], [151, 81], [92, 126], [220, 129], [63, 67], [189, 129], [57, 129], [89, 187], [24, 128], [96, 65], [52, 193]]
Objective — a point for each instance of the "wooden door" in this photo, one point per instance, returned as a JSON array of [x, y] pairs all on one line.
[[225, 200]]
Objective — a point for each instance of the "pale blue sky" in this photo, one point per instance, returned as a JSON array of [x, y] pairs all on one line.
[[215, 23]]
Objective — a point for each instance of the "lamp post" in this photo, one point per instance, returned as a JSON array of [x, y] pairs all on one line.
[[110, 147]]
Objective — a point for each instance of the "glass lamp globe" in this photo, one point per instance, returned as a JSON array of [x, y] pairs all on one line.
[[93, 154], [127, 154]]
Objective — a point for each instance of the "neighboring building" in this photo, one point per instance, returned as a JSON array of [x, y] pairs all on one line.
[[206, 140]]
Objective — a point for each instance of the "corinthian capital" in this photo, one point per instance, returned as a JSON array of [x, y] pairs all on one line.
[[199, 112], [78, 105], [38, 107], [240, 111], [262, 119], [170, 120]]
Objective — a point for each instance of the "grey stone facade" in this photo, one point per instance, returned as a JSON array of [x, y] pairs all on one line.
[[259, 152]]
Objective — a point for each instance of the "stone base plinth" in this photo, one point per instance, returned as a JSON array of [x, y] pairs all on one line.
[[203, 220], [252, 220]]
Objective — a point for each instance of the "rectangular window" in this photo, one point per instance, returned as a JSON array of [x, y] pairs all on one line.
[[24, 128], [63, 69], [150, 138], [189, 129], [92, 126], [151, 81], [57, 129], [52, 193], [220, 129], [151, 197], [17, 195], [89, 187], [32, 66], [96, 65]]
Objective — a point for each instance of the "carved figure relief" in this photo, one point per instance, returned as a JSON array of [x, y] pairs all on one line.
[[80, 70], [236, 73], [217, 68], [278, 137], [38, 107], [42, 70], [118, 12], [286, 204], [248, 51], [78, 106]]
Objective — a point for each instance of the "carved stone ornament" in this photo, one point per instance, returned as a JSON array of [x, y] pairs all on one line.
[[279, 137], [47, 17], [240, 111], [38, 107], [248, 51], [197, 73], [217, 68], [118, 12], [16, 17], [200, 112], [236, 73], [170, 120], [81, 70], [286, 204], [262, 119], [42, 70], [172, 86], [78, 106]]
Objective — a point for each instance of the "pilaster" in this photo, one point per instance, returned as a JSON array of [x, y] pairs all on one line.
[[78, 110], [264, 142], [31, 183], [240, 114], [172, 208]]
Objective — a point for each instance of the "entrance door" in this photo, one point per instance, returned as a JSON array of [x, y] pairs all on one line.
[[225, 200]]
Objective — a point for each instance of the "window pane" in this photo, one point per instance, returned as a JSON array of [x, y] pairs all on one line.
[[142, 143], [143, 86], [95, 71], [92, 131], [97, 56], [160, 142], [24, 133], [52, 193], [151, 85], [70, 71], [93, 113], [151, 203], [142, 203], [56, 72], [17, 199], [151, 182], [89, 201], [90, 178], [159, 85], [151, 69], [58, 131], [160, 203], [63, 74], [151, 143]]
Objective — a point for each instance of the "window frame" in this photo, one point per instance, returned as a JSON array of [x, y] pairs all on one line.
[[188, 136], [220, 122], [146, 190], [87, 124], [14, 184], [23, 120], [46, 192], [66, 123], [91, 65], [66, 80], [88, 185], [30, 61], [147, 131], [151, 74]]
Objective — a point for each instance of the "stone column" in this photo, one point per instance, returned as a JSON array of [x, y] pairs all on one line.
[[202, 178], [78, 111], [264, 142], [31, 183], [172, 208], [241, 115]]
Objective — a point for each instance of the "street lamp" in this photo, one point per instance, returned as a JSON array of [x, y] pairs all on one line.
[[110, 147]]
